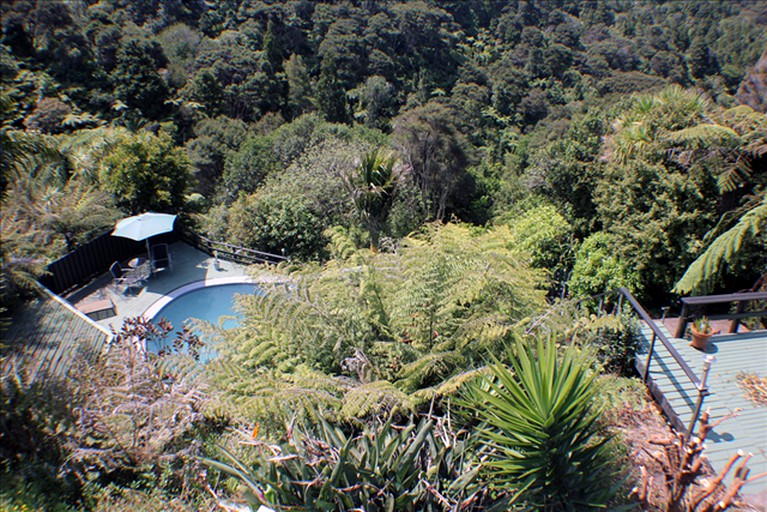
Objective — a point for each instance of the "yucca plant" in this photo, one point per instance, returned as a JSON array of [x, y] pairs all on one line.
[[539, 420], [420, 466]]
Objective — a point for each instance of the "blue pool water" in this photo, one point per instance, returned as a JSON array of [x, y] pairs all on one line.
[[209, 304]]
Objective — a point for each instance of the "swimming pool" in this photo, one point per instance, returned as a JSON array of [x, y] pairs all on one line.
[[203, 301]]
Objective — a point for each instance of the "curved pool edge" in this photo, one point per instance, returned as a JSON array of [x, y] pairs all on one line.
[[157, 305]]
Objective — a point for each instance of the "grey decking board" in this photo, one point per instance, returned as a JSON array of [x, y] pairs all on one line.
[[734, 353]]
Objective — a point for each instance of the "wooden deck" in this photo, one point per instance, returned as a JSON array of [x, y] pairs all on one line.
[[735, 353], [48, 332], [44, 337]]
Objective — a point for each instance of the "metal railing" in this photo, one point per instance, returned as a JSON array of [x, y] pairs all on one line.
[[230, 252], [657, 334], [741, 298]]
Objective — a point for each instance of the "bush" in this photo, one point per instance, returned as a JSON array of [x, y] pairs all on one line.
[[615, 338], [272, 222], [539, 417], [599, 268], [419, 466]]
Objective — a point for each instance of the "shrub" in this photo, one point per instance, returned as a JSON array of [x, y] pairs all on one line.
[[539, 418], [420, 466], [271, 222], [615, 339], [599, 268]]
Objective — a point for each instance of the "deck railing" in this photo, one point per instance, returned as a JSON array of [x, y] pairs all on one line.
[[230, 252], [657, 334], [742, 300]]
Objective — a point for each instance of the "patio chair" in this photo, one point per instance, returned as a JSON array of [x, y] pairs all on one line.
[[124, 278], [161, 259]]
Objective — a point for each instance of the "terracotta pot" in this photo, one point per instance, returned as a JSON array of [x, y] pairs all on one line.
[[700, 339]]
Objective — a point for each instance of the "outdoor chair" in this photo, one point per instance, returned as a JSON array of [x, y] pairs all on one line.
[[124, 278], [161, 259]]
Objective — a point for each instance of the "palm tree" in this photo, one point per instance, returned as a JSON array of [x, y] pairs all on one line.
[[372, 185]]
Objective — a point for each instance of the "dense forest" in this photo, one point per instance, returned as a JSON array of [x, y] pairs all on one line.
[[440, 172]]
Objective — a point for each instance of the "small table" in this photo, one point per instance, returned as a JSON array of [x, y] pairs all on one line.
[[140, 268], [98, 309]]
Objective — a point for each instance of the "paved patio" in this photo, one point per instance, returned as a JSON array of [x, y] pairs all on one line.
[[189, 266], [742, 352]]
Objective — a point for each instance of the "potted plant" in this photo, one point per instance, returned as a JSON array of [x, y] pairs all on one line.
[[701, 333]]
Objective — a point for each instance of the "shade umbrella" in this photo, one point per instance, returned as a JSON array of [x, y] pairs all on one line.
[[144, 227]]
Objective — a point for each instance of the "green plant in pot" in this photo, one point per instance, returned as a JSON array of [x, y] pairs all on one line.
[[701, 332]]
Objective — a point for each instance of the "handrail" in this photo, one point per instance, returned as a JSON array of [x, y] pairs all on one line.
[[699, 383], [663, 339], [232, 252], [703, 300]]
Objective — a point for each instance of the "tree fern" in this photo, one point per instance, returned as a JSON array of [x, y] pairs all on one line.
[[723, 250], [375, 399], [429, 370], [703, 136], [414, 318]]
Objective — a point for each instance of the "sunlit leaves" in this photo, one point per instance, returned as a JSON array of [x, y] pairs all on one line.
[[539, 417]]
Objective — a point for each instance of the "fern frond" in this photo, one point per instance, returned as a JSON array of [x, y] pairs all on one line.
[[429, 369], [723, 250], [704, 136], [373, 398]]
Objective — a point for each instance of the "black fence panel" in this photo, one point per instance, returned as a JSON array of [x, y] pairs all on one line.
[[94, 258]]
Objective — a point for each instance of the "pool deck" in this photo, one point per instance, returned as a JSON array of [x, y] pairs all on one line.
[[191, 268], [742, 352]]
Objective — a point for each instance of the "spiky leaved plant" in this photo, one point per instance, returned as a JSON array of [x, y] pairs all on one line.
[[538, 417], [423, 466]]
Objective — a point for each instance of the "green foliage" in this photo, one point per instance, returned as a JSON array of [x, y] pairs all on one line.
[[416, 466], [599, 267], [545, 236], [539, 417], [67, 214], [20, 495], [437, 155], [567, 170], [299, 86], [614, 339], [659, 210], [215, 140], [330, 98], [146, 173], [725, 250], [372, 186], [403, 323], [21, 257], [246, 169], [137, 82], [272, 222]]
